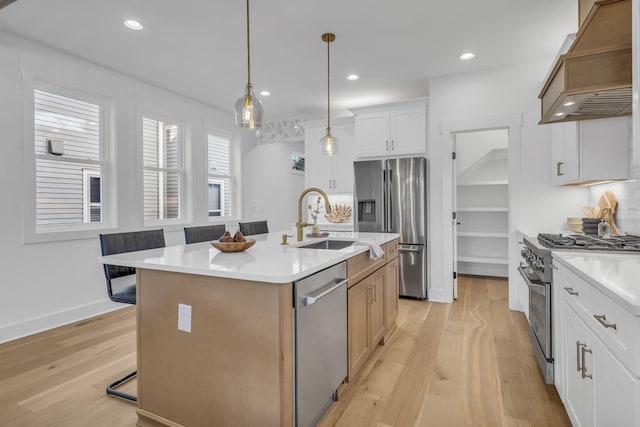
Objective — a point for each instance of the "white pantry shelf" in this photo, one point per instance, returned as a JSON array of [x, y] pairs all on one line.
[[484, 259], [483, 209], [482, 234]]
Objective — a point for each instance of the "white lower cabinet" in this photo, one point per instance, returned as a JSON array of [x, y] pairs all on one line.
[[597, 389]]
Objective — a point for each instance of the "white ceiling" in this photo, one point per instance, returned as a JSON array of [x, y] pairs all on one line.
[[198, 47]]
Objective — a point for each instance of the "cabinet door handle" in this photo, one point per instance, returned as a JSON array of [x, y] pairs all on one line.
[[584, 350], [334, 183], [559, 169], [329, 183], [393, 145], [386, 145], [375, 293], [578, 346], [570, 291], [369, 299], [602, 319]]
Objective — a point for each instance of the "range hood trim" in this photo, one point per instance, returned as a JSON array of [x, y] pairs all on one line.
[[614, 59]]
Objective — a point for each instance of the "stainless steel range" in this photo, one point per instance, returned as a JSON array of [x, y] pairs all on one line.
[[537, 270]]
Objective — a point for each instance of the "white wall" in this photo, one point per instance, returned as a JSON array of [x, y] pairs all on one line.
[[270, 191], [536, 205], [472, 146], [627, 216], [53, 283]]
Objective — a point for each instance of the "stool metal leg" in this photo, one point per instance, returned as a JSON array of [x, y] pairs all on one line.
[[111, 388]]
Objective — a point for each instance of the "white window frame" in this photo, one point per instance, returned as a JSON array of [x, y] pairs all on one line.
[[32, 232], [219, 182], [182, 199], [87, 174], [234, 176]]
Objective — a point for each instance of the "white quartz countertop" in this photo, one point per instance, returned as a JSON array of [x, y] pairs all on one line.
[[266, 261], [615, 275]]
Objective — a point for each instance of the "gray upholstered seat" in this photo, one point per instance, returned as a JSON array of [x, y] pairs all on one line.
[[205, 233], [256, 227]]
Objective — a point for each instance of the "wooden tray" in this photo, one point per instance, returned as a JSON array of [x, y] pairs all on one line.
[[233, 246]]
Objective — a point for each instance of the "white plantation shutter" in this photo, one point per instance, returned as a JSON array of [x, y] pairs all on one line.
[[220, 176], [63, 190]]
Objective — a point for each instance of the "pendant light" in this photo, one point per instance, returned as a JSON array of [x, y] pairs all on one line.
[[328, 143], [248, 109]]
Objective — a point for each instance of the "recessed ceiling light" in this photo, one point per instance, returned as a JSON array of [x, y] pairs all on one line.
[[467, 56], [265, 93], [559, 114], [353, 77], [133, 24], [569, 103]]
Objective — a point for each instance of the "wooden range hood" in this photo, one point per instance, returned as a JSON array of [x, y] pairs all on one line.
[[594, 76]]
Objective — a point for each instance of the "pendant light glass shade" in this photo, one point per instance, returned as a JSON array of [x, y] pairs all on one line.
[[248, 108], [328, 143]]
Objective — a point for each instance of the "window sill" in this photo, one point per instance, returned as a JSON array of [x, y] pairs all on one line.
[[56, 234]]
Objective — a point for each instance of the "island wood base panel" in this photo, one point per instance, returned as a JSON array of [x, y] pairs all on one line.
[[236, 365]]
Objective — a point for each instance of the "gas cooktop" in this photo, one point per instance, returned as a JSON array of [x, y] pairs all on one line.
[[584, 242]]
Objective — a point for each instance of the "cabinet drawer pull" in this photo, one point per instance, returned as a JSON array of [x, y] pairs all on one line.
[[578, 346], [602, 319], [570, 291], [584, 368], [559, 169]]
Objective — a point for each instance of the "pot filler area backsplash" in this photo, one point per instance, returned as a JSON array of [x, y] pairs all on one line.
[[628, 209]]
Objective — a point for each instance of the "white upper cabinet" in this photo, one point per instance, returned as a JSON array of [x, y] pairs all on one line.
[[590, 151], [392, 129], [333, 174], [635, 26]]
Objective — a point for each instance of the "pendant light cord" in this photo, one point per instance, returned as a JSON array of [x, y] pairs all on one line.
[[328, 84], [248, 49]]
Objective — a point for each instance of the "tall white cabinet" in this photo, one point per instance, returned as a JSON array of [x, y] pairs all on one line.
[[483, 217]]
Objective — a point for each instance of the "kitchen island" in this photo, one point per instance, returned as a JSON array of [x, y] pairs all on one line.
[[233, 361]]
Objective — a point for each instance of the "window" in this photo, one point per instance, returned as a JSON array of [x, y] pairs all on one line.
[[161, 168], [220, 176], [68, 160], [92, 200]]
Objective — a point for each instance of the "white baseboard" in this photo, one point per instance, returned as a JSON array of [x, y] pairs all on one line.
[[50, 321]]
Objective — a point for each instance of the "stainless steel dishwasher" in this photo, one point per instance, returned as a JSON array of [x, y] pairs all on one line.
[[320, 341]]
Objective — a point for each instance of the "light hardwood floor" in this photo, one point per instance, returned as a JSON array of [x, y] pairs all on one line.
[[467, 363]]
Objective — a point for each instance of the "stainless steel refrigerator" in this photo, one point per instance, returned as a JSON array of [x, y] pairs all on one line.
[[391, 196]]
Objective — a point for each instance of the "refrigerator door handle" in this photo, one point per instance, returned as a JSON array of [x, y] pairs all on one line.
[[405, 249], [385, 200], [389, 208]]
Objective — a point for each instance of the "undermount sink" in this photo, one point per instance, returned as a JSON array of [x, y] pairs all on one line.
[[328, 244]]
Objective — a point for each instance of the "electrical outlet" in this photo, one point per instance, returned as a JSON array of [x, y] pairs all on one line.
[[184, 318]]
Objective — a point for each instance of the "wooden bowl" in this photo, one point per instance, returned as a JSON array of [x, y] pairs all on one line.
[[233, 246]]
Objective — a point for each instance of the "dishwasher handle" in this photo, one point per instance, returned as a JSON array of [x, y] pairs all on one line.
[[312, 299]]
